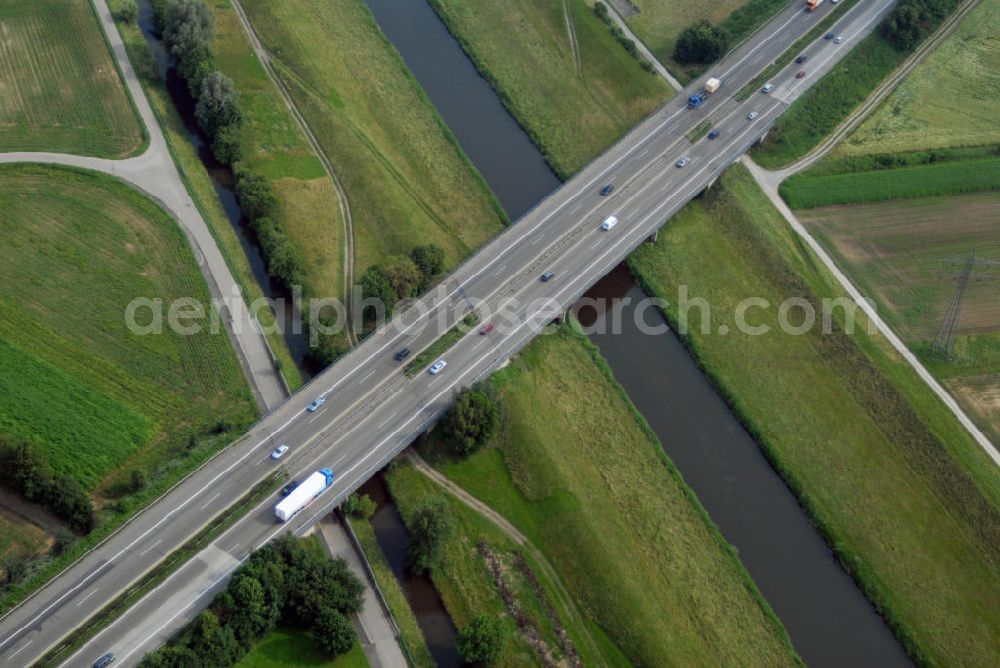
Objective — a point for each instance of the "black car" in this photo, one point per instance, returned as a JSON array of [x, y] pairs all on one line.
[[607, 190], [828, 35], [289, 488], [713, 134], [105, 660], [801, 59], [547, 276], [401, 355]]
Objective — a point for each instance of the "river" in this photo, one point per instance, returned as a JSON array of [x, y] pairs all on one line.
[[828, 618]]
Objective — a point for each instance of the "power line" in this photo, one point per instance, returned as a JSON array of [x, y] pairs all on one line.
[[944, 341]]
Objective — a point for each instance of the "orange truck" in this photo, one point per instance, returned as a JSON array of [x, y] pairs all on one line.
[[811, 5]]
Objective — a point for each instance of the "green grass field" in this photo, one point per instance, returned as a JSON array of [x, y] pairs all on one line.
[[199, 185], [467, 584], [292, 648], [406, 178], [97, 399], [824, 106], [806, 191], [896, 253], [906, 498], [659, 23], [573, 109], [951, 99], [59, 87], [275, 147], [578, 471]]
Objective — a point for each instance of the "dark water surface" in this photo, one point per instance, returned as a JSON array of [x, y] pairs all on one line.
[[830, 621]]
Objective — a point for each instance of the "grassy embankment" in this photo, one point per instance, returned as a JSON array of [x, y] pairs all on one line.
[[951, 99], [658, 24], [293, 648], [905, 497], [524, 48], [99, 401], [411, 638], [407, 179], [276, 148], [478, 560], [88, 112], [199, 185], [577, 470]]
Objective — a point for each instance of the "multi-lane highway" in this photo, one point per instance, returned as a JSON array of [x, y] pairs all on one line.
[[372, 409]]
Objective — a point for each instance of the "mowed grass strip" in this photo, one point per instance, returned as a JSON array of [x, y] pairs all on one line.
[[407, 179], [59, 88], [579, 472], [76, 249], [951, 99], [905, 497], [275, 147], [805, 191], [572, 110]]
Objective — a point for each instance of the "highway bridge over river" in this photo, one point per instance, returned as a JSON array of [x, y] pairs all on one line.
[[372, 409]]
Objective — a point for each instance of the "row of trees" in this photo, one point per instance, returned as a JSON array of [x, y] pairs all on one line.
[[24, 471], [627, 43], [284, 582], [911, 20], [187, 28], [285, 260]]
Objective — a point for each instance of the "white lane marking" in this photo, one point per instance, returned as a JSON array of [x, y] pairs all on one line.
[[22, 648], [88, 595], [318, 415], [368, 375], [386, 420], [500, 270], [209, 502], [260, 461], [639, 142], [143, 553]]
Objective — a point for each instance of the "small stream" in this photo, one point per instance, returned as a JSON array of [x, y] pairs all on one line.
[[438, 629], [223, 183]]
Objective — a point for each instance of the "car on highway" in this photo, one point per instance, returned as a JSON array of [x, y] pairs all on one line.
[[752, 115], [683, 161], [279, 452], [289, 488], [713, 134], [437, 367], [828, 35], [105, 660], [800, 74], [801, 59], [547, 276], [314, 406], [607, 190], [838, 39], [609, 223], [767, 88], [486, 329], [401, 354]]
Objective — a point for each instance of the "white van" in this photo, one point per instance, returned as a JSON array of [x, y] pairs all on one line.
[[609, 223]]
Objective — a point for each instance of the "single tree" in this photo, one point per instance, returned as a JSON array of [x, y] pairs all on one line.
[[701, 42], [218, 104], [480, 641], [430, 262], [429, 527], [333, 632], [402, 274], [471, 421]]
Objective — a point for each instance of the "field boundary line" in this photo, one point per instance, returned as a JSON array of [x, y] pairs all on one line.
[[770, 189]]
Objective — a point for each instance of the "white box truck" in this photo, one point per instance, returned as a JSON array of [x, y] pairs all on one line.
[[303, 495]]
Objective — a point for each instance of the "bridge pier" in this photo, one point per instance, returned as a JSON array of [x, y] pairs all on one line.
[[651, 239], [763, 136]]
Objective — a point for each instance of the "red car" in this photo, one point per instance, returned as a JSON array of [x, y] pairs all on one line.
[[800, 74], [486, 329]]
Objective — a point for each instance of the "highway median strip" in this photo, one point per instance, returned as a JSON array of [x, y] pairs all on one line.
[[113, 610], [442, 345]]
